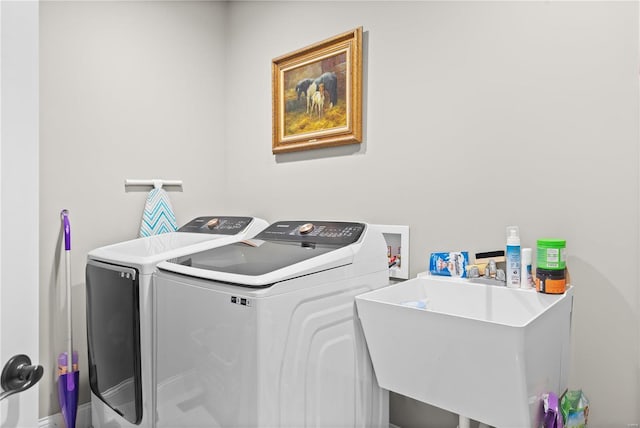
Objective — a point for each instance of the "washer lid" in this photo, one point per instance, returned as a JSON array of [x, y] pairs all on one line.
[[197, 235], [253, 257], [282, 251], [152, 249]]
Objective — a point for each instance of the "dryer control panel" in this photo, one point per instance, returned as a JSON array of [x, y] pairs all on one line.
[[317, 232], [219, 225]]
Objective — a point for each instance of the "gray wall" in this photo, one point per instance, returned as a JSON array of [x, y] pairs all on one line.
[[477, 116], [128, 90]]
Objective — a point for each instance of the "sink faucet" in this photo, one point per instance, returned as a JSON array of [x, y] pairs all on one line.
[[492, 275]]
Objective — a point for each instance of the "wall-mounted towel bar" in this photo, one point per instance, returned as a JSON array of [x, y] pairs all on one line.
[[156, 182]]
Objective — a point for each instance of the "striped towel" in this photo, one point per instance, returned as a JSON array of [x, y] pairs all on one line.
[[158, 216]]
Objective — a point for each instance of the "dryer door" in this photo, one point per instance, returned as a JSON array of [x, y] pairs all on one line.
[[113, 333]]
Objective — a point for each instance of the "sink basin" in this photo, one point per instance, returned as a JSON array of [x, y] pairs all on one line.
[[483, 351]]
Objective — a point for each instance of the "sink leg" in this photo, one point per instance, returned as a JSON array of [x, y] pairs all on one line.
[[464, 422]]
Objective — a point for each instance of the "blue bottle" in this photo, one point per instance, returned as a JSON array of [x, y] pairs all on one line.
[[513, 257]]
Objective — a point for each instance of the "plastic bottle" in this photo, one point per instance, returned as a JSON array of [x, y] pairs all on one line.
[[513, 257], [526, 278]]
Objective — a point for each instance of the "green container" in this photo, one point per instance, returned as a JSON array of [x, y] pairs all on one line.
[[551, 254]]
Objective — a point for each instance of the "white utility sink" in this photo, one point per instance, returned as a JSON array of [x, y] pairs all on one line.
[[483, 351]]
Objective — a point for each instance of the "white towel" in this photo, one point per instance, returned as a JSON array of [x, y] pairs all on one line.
[[158, 216]]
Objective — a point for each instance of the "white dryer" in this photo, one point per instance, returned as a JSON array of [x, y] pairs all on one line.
[[119, 314], [264, 332]]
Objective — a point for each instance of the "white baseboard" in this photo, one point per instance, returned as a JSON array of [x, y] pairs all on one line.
[[393, 426], [83, 418]]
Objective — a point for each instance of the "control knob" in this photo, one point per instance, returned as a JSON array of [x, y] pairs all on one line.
[[306, 228]]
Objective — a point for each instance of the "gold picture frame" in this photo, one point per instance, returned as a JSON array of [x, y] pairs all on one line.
[[317, 95]]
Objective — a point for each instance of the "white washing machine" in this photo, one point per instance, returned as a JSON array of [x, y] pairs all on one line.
[[264, 332], [119, 314]]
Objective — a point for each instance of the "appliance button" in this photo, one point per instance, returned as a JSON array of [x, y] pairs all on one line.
[[306, 228]]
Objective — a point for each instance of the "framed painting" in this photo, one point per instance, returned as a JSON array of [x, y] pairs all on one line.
[[317, 95]]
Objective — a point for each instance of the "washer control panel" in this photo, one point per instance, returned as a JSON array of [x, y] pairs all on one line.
[[218, 225], [319, 232]]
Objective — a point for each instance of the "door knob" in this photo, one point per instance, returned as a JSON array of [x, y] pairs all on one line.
[[19, 375]]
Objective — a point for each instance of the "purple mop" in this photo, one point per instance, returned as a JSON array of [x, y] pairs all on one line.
[[69, 375]]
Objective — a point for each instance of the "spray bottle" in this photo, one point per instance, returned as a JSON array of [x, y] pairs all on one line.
[[513, 256]]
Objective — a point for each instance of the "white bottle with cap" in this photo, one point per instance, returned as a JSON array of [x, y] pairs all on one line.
[[513, 257], [526, 277]]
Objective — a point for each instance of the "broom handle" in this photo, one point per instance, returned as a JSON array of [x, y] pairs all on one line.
[[67, 257], [69, 330]]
